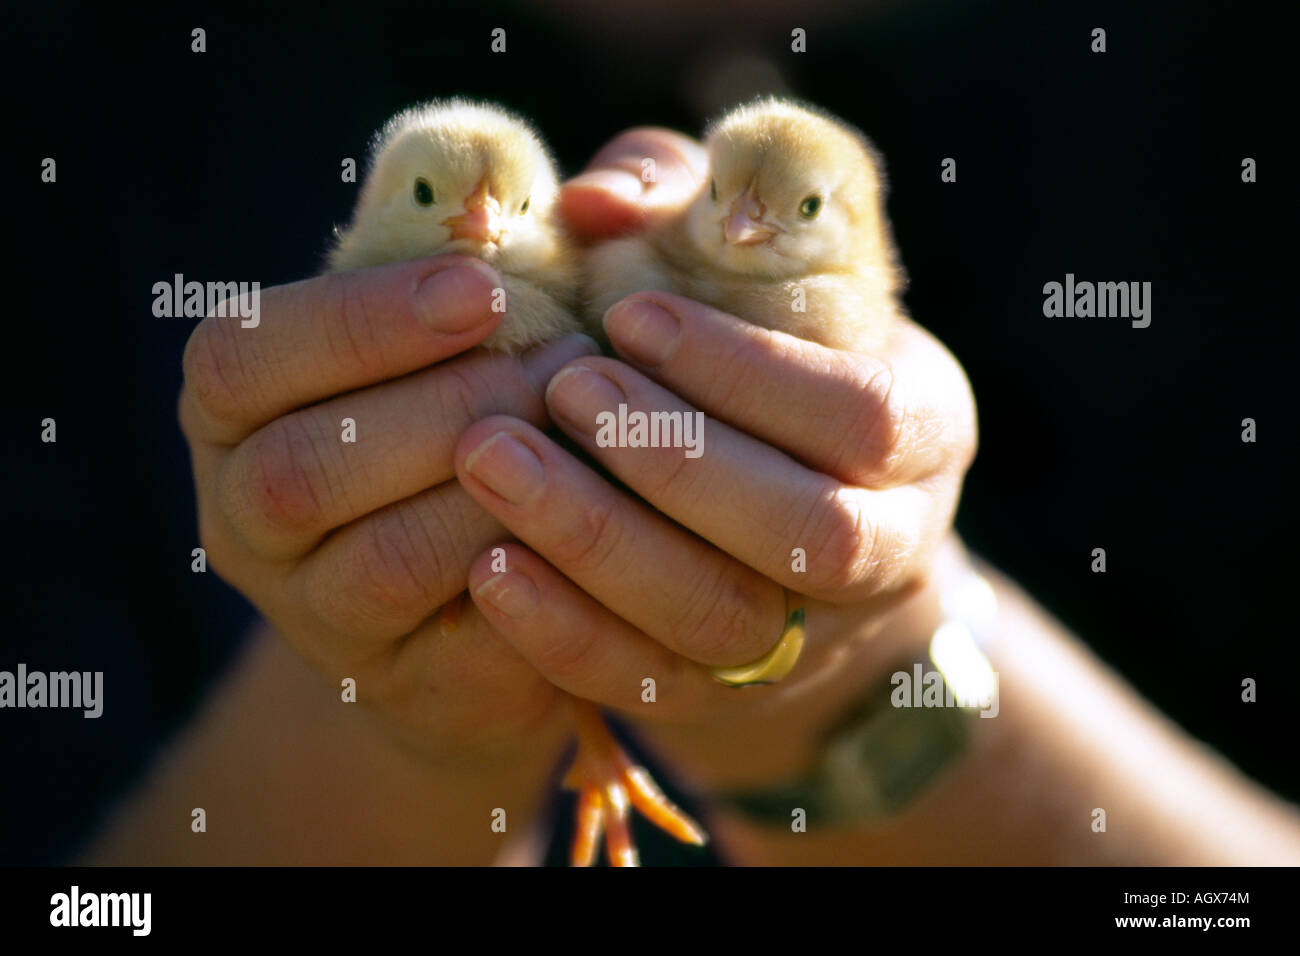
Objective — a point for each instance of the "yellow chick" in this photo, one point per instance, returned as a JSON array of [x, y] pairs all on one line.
[[468, 178], [459, 177], [790, 233]]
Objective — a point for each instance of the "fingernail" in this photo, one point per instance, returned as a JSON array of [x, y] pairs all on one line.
[[458, 298], [643, 331], [508, 467], [510, 592], [578, 395], [620, 182]]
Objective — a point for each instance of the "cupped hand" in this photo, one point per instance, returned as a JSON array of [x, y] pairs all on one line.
[[832, 474], [350, 547]]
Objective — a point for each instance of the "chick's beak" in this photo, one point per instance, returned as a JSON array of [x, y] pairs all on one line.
[[745, 225], [481, 220]]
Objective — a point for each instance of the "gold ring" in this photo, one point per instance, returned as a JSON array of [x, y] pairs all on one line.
[[777, 662]]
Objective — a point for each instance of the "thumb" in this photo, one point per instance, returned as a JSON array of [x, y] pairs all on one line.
[[637, 177]]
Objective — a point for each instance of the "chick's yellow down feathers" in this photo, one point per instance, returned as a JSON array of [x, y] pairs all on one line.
[[453, 176], [789, 233]]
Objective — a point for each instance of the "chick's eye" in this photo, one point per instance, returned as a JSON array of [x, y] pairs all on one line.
[[713, 190], [810, 207], [524, 208], [423, 192]]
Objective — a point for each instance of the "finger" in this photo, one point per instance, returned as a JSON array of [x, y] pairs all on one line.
[[578, 644], [639, 177], [878, 423], [701, 604], [380, 576], [332, 334], [745, 496], [295, 479]]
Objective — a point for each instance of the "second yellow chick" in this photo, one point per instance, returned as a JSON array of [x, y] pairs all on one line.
[[789, 233]]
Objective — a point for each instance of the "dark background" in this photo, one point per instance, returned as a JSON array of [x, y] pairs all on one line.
[[1117, 166]]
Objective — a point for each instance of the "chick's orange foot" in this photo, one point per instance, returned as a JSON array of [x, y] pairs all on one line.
[[608, 785]]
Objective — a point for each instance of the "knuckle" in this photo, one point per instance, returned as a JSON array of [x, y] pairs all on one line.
[[845, 545], [396, 567], [215, 540], [568, 656], [967, 436], [724, 619], [734, 384], [953, 429], [326, 597], [287, 479], [669, 468], [880, 419], [353, 339], [216, 370], [592, 539], [457, 392]]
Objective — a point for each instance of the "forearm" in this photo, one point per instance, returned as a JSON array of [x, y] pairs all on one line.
[[289, 774], [1069, 738]]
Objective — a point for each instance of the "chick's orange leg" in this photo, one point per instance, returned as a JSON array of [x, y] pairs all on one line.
[[608, 784], [658, 809], [591, 821], [619, 848]]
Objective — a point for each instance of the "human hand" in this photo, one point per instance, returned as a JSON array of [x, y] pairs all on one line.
[[856, 459], [350, 548]]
